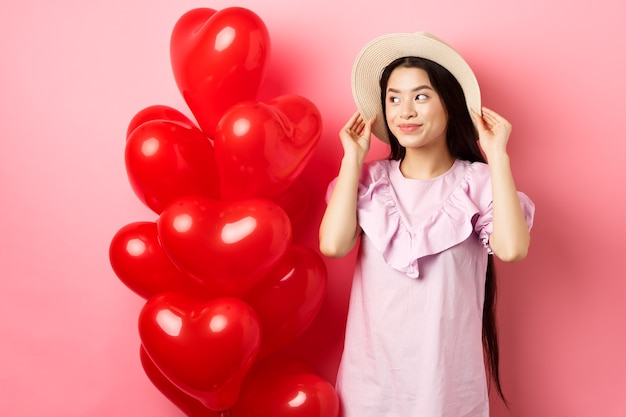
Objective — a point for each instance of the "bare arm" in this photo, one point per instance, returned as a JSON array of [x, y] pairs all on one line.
[[510, 237], [339, 229]]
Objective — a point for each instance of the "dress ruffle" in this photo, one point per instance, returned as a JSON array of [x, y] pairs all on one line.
[[466, 210]]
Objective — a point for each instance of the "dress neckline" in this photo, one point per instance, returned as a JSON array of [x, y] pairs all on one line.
[[396, 173]]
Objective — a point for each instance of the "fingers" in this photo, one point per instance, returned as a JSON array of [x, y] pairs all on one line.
[[356, 125], [478, 120], [493, 118], [490, 120], [368, 127], [490, 113], [353, 119]]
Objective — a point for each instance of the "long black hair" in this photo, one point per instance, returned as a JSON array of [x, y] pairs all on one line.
[[462, 141]]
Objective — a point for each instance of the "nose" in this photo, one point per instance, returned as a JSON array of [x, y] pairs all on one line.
[[408, 110]]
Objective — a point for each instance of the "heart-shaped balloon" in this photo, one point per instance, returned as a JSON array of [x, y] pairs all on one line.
[[219, 58], [157, 112], [188, 404], [228, 245], [283, 391], [166, 160], [261, 148], [296, 203], [289, 297], [140, 262], [205, 348]]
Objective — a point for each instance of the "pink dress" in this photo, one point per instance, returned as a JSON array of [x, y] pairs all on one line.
[[413, 343]]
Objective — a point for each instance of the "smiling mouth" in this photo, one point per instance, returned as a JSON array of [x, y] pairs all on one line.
[[408, 128]]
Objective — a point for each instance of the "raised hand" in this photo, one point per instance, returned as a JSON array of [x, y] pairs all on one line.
[[355, 136], [493, 132]]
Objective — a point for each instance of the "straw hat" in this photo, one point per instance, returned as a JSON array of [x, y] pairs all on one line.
[[380, 52]]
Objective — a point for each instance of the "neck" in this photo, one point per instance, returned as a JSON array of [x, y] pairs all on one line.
[[418, 164]]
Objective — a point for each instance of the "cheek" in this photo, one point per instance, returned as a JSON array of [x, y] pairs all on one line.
[[390, 113], [436, 115]]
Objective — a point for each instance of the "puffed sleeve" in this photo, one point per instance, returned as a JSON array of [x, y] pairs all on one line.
[[479, 191]]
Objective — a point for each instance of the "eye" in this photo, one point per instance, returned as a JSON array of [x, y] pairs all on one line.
[[394, 99], [421, 97]]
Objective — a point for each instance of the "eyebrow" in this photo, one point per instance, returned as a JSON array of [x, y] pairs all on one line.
[[419, 88]]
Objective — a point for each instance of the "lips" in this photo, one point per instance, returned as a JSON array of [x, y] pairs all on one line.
[[409, 127]]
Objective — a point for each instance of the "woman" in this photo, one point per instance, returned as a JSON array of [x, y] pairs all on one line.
[[428, 220]]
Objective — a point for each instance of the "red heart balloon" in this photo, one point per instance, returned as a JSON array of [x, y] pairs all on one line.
[[296, 203], [261, 148], [205, 348], [228, 245], [140, 262], [157, 112], [218, 59], [282, 391], [188, 404], [289, 298], [166, 160], [278, 364]]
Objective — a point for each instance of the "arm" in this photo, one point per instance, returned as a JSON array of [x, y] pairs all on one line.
[[339, 229], [510, 237]]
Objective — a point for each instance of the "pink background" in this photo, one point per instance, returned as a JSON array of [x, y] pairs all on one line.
[[73, 74]]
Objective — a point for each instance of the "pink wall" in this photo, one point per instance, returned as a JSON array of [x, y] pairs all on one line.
[[73, 73]]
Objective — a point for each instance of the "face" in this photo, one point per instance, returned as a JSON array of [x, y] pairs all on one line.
[[414, 111]]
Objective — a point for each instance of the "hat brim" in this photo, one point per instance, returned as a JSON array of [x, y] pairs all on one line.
[[380, 52]]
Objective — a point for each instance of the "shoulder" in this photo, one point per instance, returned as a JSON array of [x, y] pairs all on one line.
[[475, 174], [375, 171], [474, 185], [474, 169]]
